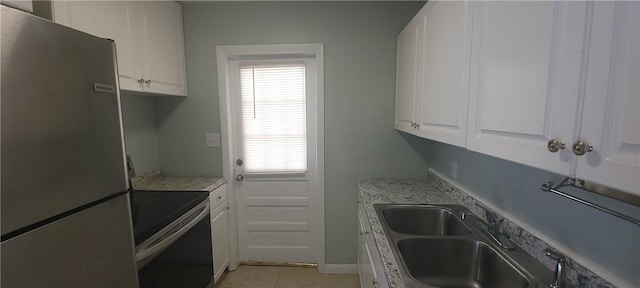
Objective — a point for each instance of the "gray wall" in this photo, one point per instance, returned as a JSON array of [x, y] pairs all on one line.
[[140, 137], [608, 241], [359, 43]]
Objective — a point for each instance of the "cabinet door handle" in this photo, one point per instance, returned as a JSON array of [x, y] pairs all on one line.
[[141, 81], [581, 147], [219, 197], [148, 82], [554, 145]]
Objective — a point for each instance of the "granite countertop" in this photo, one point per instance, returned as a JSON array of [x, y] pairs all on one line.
[[153, 181], [435, 190], [395, 191]]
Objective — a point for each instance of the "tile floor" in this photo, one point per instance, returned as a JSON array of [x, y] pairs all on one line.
[[284, 277]]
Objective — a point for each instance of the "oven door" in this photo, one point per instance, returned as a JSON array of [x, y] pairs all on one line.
[[180, 254]]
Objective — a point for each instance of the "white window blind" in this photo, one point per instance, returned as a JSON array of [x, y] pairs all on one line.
[[273, 104]]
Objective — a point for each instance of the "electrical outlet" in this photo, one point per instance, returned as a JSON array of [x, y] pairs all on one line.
[[212, 139], [454, 169]]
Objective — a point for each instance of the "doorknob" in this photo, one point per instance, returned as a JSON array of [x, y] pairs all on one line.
[[239, 178]]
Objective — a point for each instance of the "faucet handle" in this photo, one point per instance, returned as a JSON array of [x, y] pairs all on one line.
[[555, 255], [492, 218]]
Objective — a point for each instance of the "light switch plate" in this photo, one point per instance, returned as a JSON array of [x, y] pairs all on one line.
[[212, 139]]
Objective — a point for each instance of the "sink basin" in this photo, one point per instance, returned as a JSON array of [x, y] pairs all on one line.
[[459, 263], [425, 221], [435, 248]]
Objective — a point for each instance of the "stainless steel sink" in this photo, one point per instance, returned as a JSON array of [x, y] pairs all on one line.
[[458, 263], [428, 221], [446, 246]]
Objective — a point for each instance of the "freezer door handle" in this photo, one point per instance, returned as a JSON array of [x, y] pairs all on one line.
[[151, 247]]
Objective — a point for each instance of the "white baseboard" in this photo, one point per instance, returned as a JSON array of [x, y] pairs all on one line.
[[339, 269]]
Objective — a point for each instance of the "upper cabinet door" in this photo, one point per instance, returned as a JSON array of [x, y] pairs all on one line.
[[148, 35], [406, 76], [446, 50], [107, 20], [525, 79], [163, 48], [611, 121]]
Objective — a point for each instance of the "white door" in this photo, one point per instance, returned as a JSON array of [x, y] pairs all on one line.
[[446, 50], [611, 121], [275, 150], [525, 80]]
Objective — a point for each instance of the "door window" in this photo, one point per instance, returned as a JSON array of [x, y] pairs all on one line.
[[273, 117]]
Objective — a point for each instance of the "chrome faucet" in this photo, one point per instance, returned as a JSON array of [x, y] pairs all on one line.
[[560, 273], [493, 227]]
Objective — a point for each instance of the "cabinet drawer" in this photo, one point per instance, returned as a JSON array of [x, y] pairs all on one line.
[[216, 197]]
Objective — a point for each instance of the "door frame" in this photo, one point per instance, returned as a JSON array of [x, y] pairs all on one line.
[[227, 53]]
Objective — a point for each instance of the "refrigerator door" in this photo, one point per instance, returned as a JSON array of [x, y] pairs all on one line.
[[92, 248], [61, 129]]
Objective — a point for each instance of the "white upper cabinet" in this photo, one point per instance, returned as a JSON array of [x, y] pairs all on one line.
[[107, 20], [164, 48], [406, 77], [542, 78], [525, 80], [445, 50], [611, 121], [148, 36]]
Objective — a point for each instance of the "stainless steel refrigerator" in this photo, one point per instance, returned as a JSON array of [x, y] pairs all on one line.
[[65, 214]]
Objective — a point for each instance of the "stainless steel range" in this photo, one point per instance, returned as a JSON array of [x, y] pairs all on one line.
[[172, 231]]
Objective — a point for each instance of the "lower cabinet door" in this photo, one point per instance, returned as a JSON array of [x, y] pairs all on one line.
[[370, 277], [220, 239], [366, 266]]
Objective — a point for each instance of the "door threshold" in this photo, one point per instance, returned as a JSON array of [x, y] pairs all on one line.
[[283, 264]]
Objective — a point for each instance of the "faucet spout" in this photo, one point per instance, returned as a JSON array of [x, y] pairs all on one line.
[[560, 273], [493, 227]]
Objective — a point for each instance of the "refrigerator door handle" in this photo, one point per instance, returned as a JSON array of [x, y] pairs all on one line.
[[151, 247]]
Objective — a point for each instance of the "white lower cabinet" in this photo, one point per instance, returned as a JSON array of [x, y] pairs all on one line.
[[370, 265], [220, 238], [219, 231]]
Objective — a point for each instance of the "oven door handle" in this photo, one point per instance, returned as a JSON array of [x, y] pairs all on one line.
[[164, 243]]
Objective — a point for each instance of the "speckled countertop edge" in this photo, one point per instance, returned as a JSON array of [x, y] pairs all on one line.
[[153, 181], [435, 190]]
